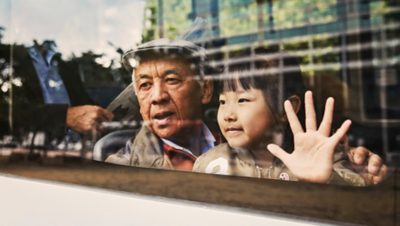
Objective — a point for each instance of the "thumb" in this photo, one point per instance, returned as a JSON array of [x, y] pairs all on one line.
[[106, 114], [109, 114], [278, 152]]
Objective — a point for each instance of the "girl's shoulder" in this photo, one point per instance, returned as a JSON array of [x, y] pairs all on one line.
[[221, 151]]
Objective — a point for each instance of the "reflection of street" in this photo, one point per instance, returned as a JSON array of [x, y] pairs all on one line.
[[20, 154]]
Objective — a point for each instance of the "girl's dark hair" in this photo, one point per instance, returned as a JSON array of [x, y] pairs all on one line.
[[255, 74], [278, 79], [277, 82]]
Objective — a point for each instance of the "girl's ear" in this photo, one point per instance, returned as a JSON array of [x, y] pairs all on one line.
[[296, 103], [207, 91]]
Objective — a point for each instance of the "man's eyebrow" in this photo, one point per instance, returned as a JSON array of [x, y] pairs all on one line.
[[170, 71], [142, 76], [165, 73]]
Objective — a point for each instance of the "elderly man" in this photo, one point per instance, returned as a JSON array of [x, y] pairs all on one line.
[[168, 79], [171, 89]]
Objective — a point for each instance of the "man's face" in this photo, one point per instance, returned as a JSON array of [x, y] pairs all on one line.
[[169, 97]]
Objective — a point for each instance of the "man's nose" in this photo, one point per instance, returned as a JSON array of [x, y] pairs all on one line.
[[159, 94]]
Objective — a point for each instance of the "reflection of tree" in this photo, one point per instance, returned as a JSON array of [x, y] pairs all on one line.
[[94, 74], [8, 78], [238, 17], [150, 19], [1, 33], [104, 82]]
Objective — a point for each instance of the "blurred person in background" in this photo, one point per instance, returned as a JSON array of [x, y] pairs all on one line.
[[48, 96]]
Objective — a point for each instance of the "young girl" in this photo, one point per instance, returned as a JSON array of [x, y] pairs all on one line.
[[250, 119]]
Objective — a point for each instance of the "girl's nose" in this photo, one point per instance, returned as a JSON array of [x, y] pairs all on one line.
[[230, 114]]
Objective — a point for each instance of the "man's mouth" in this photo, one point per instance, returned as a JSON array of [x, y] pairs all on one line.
[[163, 118]]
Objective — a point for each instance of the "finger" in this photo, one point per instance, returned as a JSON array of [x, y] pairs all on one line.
[[341, 132], [368, 178], [104, 114], [311, 124], [95, 126], [292, 118], [108, 114], [86, 127], [374, 164], [278, 152], [92, 117], [358, 154], [325, 127], [381, 176], [350, 154], [100, 115], [345, 142], [98, 127], [100, 118]]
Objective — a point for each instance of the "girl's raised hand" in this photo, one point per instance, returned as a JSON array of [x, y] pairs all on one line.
[[312, 158]]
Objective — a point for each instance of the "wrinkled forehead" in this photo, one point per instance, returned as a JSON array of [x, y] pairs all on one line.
[[163, 61], [160, 62]]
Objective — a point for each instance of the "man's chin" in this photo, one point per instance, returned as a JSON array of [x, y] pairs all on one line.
[[165, 132]]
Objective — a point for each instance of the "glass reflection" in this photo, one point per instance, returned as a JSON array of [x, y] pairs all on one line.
[[340, 49]]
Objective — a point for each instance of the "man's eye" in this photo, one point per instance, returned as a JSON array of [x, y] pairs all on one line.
[[172, 81], [221, 102], [145, 86], [242, 100]]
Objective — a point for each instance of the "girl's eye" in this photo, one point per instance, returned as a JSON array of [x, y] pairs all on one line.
[[242, 100], [221, 102]]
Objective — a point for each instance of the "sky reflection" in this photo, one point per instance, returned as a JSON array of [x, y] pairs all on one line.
[[75, 25]]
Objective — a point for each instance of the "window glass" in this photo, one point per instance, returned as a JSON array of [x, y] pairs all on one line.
[[208, 87], [290, 14], [161, 83], [238, 17], [173, 24], [86, 51], [338, 48]]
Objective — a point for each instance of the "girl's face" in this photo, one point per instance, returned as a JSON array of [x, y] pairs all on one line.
[[244, 117]]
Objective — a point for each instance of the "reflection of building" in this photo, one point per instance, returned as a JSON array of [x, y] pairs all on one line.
[[166, 18], [348, 49]]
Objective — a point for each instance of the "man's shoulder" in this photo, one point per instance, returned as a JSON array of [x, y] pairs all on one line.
[[119, 158], [115, 144], [146, 150], [123, 154], [142, 137]]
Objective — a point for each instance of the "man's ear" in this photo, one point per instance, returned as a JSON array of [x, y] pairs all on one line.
[[207, 91], [296, 103]]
